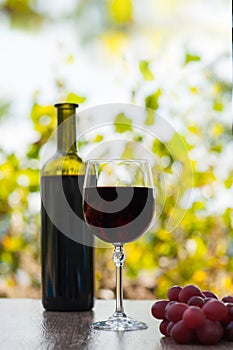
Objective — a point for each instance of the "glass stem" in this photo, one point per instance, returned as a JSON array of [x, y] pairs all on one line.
[[119, 258]]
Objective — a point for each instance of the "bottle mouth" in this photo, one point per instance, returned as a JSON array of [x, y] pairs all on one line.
[[66, 105]]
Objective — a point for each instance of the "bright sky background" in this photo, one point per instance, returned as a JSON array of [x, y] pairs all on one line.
[[101, 71]]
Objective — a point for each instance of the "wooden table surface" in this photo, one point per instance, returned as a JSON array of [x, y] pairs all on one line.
[[25, 325]]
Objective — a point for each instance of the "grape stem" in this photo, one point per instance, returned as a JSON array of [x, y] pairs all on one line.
[[119, 258]]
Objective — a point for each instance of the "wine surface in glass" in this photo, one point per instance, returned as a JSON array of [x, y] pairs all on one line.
[[118, 214]]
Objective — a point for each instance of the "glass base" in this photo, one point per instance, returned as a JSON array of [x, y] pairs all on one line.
[[119, 323]]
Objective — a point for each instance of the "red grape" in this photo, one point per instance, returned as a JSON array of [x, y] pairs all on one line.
[[158, 309], [169, 328], [167, 307], [163, 327], [229, 331], [173, 293], [181, 334], [209, 294], [209, 333], [189, 291], [196, 301], [215, 310], [175, 311], [229, 316], [228, 299], [193, 317]]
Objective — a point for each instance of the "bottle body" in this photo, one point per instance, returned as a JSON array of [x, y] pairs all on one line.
[[67, 262]]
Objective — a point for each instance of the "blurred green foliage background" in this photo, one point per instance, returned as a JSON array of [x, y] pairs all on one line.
[[173, 57]]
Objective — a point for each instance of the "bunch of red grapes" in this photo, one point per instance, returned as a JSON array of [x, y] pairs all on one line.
[[194, 316]]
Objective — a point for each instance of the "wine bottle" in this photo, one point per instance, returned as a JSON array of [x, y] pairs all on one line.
[[66, 243]]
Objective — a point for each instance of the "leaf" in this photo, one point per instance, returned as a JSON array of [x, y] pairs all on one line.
[[216, 148], [229, 180], [33, 151], [199, 276], [198, 205], [4, 106], [98, 138], [178, 147], [218, 106], [74, 98], [38, 115], [122, 123], [82, 143], [150, 119], [194, 129], [158, 148], [128, 151], [38, 111], [191, 58], [145, 70], [193, 90], [21, 13], [204, 178], [115, 41], [152, 101], [69, 59], [217, 130], [121, 11], [13, 243]]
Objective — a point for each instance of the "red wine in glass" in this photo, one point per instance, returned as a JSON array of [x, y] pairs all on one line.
[[121, 225]]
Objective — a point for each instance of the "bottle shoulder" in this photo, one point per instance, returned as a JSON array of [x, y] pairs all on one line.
[[63, 164]]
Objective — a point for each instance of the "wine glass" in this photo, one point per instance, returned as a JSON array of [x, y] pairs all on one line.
[[118, 205]]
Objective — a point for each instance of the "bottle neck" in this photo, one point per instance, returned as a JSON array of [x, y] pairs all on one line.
[[66, 132]]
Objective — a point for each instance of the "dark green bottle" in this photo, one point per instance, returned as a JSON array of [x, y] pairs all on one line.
[[66, 243]]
